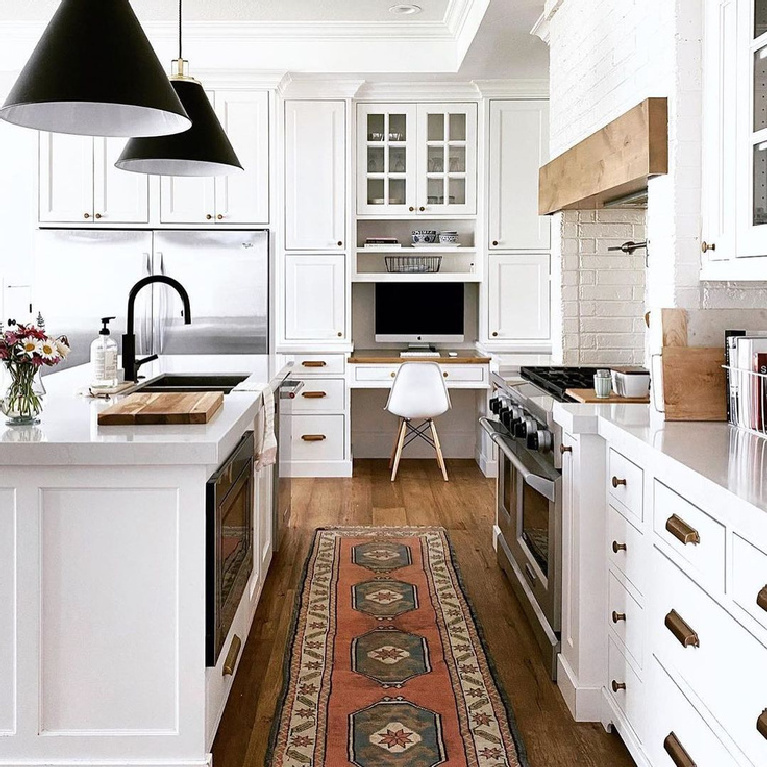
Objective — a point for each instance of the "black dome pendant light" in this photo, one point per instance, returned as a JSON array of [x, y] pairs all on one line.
[[94, 73], [203, 150]]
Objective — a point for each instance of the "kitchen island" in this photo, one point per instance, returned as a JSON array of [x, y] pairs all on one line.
[[103, 559]]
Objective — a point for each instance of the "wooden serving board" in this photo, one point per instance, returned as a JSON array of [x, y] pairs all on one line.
[[163, 409], [589, 397], [694, 383]]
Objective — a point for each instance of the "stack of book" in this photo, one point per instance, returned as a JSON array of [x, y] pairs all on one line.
[[382, 243], [746, 360]]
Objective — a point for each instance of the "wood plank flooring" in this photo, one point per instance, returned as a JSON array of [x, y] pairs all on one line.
[[465, 506]]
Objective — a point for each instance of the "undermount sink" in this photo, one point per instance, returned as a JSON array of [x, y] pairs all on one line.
[[183, 383]]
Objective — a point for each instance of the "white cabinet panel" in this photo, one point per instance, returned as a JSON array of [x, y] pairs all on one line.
[[519, 141], [8, 630], [315, 297], [66, 178], [243, 197], [187, 200], [119, 196], [88, 681], [315, 175], [519, 296]]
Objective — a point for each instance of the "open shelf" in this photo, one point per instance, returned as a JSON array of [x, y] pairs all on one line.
[[417, 277], [409, 250]]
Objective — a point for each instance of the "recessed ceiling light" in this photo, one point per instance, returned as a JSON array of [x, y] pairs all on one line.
[[405, 9]]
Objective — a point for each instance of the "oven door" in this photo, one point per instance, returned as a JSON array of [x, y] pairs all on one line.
[[530, 521]]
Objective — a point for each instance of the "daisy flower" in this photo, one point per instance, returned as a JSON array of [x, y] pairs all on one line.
[[62, 347], [29, 346], [46, 348]]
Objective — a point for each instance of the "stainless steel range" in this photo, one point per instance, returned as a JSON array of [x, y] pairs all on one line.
[[529, 491]]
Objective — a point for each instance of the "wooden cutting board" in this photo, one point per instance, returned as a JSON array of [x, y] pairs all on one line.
[[589, 397], [163, 409], [694, 383]]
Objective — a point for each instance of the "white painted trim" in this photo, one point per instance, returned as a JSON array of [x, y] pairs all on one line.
[[296, 86], [418, 91], [487, 466], [513, 89], [467, 27], [613, 715], [585, 703], [542, 27], [741, 269]]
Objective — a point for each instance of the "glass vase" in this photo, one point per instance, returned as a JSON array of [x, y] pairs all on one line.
[[23, 396]]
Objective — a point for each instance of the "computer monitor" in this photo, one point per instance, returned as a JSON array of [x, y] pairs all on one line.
[[419, 313]]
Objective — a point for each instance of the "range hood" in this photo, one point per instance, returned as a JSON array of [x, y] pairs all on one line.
[[610, 168]]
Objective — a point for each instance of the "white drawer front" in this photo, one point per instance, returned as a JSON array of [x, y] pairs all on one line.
[[625, 483], [625, 547], [464, 373], [317, 437], [675, 724], [629, 699], [375, 372], [319, 364], [675, 520], [749, 578], [626, 620], [321, 394]]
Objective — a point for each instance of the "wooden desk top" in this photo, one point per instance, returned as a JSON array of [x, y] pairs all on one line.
[[389, 357]]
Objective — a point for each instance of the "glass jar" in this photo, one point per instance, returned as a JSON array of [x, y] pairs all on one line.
[[23, 394]]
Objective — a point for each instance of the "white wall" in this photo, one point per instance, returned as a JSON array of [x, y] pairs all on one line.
[[606, 57]]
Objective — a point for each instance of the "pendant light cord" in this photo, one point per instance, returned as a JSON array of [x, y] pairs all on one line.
[[180, 16]]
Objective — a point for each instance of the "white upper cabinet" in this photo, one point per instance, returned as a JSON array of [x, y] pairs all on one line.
[[241, 197], [315, 175], [80, 185], [734, 193], [519, 297], [417, 159], [315, 297], [519, 142]]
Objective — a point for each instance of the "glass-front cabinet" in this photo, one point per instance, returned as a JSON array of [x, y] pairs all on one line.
[[417, 159]]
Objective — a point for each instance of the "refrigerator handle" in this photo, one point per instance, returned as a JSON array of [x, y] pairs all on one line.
[[162, 307], [144, 324]]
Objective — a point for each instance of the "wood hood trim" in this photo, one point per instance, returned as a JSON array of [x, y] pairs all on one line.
[[615, 161]]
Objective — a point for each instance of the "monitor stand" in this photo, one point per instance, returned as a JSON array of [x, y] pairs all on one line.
[[421, 347]]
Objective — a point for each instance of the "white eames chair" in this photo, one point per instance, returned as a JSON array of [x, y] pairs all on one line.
[[418, 393]]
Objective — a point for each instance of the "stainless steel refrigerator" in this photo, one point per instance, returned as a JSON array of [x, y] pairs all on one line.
[[82, 276]]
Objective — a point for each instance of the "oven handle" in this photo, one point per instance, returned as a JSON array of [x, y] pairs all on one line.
[[546, 487]]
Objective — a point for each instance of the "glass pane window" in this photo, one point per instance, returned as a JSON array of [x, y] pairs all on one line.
[[376, 191], [376, 127], [435, 159], [760, 17], [375, 159], [436, 127], [396, 191], [457, 191], [457, 159], [397, 159], [457, 127], [436, 191], [760, 89], [760, 184], [397, 128]]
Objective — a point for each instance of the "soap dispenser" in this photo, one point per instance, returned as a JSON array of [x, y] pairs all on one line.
[[104, 359]]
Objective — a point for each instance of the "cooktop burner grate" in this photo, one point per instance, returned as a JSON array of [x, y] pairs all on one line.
[[556, 380]]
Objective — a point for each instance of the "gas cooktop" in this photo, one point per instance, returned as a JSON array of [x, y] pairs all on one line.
[[556, 380]]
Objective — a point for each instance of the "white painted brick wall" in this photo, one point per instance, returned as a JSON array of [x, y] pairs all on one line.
[[606, 57]]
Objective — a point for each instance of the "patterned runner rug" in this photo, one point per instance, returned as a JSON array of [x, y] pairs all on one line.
[[387, 666]]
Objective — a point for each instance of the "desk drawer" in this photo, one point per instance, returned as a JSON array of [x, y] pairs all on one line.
[[677, 727], [676, 521], [321, 394], [626, 620], [364, 373], [319, 364], [625, 688], [317, 437], [464, 373], [453, 374], [625, 549], [749, 578], [625, 482]]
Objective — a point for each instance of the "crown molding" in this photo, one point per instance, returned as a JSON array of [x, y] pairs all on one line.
[[423, 91], [296, 86], [238, 78], [542, 27], [466, 21], [513, 89]]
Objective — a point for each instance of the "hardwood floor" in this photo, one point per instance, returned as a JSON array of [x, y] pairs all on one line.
[[465, 506]]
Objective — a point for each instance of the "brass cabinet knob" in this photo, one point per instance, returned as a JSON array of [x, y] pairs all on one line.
[[340, 334], [618, 482], [618, 617], [495, 334], [393, 374], [411, 209], [209, 216], [617, 685], [422, 209], [495, 243], [565, 449], [708, 246], [446, 374], [98, 215], [340, 243], [684, 634], [86, 215], [618, 547], [220, 217]]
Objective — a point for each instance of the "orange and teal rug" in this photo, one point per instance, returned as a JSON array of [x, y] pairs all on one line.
[[387, 667]]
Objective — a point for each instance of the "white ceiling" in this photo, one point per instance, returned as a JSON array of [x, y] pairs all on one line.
[[239, 10]]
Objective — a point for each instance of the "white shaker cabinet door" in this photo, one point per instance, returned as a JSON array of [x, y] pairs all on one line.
[[66, 178], [519, 300], [315, 175], [119, 196], [519, 140], [242, 197], [315, 297]]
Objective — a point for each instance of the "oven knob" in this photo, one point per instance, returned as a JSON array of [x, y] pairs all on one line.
[[495, 405], [505, 416], [524, 427], [540, 440]]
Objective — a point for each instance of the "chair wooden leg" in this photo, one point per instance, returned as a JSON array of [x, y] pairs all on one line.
[[396, 443], [400, 445], [438, 448]]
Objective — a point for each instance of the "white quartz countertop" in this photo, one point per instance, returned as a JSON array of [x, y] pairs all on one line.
[[728, 458], [69, 434]]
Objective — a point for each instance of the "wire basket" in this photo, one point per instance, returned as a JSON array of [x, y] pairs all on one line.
[[747, 400], [413, 264]]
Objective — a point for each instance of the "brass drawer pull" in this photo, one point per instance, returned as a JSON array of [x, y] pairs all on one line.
[[761, 724], [231, 658], [618, 547], [618, 617], [618, 482], [565, 449], [617, 685], [676, 625], [313, 437], [314, 363], [314, 394], [674, 749], [761, 599], [445, 374], [681, 530]]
